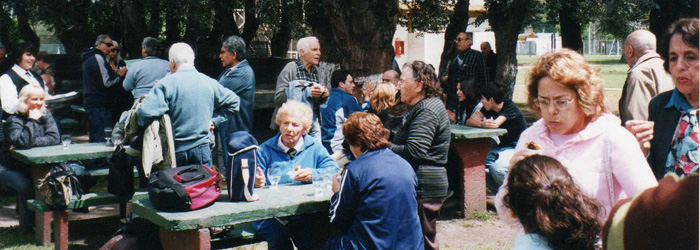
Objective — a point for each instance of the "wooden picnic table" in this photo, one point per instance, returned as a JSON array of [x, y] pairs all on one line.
[[40, 159], [189, 230], [472, 145]]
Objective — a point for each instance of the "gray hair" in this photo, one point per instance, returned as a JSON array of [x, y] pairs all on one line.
[[305, 43], [642, 40], [152, 46], [101, 39], [236, 44], [181, 54]]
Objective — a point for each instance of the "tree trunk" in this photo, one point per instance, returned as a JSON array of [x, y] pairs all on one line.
[[74, 37], [25, 30], [131, 15], [570, 26], [252, 23], [667, 13], [172, 21], [279, 44], [506, 20], [155, 24], [357, 35], [458, 23], [5, 23], [224, 24]]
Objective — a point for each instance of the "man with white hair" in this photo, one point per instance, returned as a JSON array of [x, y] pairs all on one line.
[[194, 102], [304, 78], [646, 77]]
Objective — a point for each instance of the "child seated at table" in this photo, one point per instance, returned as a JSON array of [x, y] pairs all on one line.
[[554, 213], [32, 126]]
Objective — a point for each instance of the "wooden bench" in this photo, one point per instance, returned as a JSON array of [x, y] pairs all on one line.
[[189, 230], [60, 216]]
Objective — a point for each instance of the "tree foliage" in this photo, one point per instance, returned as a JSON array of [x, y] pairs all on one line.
[[426, 16]]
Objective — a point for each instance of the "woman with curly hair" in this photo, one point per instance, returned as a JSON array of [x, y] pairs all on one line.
[[554, 213], [423, 139]]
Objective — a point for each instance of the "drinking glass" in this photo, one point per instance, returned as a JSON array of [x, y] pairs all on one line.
[[65, 140], [108, 136], [319, 183], [274, 176], [328, 177]]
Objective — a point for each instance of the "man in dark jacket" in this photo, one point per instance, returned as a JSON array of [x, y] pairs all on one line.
[[238, 77], [97, 77], [468, 64]]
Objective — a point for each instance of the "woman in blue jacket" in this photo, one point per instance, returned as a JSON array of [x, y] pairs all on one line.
[[374, 204], [290, 148]]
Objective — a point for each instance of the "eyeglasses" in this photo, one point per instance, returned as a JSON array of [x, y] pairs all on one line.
[[460, 40], [559, 104], [108, 44]]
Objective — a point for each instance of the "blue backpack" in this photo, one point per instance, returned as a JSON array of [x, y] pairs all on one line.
[[240, 176]]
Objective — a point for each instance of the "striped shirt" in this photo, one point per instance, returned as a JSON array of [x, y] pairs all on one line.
[[424, 136]]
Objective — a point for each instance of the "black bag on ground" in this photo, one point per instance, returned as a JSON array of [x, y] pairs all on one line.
[[242, 148], [183, 188], [59, 185], [120, 181]]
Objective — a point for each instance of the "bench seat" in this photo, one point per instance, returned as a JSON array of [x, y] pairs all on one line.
[[87, 200]]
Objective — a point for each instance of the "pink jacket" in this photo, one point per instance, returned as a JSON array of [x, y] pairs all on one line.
[[583, 158]]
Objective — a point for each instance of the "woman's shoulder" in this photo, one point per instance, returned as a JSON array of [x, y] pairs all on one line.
[[531, 242]]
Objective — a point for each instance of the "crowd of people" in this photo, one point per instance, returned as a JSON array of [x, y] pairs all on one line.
[[564, 179]]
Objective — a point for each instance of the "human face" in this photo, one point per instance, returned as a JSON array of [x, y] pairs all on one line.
[[349, 85], [312, 56], [683, 66], [227, 58], [42, 65], [34, 101], [105, 45], [462, 42], [291, 129], [410, 88], [460, 94], [560, 121], [114, 52], [485, 49], [27, 61], [488, 103], [629, 57]]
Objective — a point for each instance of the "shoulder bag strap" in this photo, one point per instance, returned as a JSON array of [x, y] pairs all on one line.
[[246, 175], [608, 167]]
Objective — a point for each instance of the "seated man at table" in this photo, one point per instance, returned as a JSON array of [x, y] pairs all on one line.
[[498, 112], [297, 155], [374, 204]]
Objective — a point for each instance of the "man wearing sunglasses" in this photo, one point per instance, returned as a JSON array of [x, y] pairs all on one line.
[[468, 64], [97, 77]]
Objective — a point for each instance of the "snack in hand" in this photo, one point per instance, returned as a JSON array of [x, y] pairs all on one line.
[[533, 146]]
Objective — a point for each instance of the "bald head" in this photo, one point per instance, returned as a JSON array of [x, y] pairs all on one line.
[[637, 44], [391, 76]]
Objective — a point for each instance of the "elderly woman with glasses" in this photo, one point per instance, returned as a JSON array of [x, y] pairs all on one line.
[[577, 129], [423, 139]]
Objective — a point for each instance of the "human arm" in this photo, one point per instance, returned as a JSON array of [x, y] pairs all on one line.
[[493, 123], [344, 201], [285, 76], [475, 119], [226, 104], [421, 132], [640, 90], [153, 106], [129, 80], [48, 82], [643, 132], [8, 94], [109, 77], [629, 165], [24, 134]]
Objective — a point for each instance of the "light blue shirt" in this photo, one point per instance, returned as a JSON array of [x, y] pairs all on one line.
[[678, 101], [532, 242], [143, 73]]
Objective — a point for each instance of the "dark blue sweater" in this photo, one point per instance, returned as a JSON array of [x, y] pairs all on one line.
[[95, 93]]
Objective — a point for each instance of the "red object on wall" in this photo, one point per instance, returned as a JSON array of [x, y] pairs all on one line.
[[399, 48]]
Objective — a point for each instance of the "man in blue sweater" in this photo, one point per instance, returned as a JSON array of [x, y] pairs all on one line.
[[97, 77], [237, 76], [335, 112], [194, 102], [144, 73]]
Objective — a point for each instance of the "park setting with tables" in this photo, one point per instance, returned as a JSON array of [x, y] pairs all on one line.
[[401, 124]]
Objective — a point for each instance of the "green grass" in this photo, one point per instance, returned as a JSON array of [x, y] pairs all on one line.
[[612, 71], [13, 239], [485, 216]]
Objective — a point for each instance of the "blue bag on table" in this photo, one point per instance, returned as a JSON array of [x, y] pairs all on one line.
[[240, 176]]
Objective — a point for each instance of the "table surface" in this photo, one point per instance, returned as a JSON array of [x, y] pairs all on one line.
[[467, 132], [285, 201], [56, 154]]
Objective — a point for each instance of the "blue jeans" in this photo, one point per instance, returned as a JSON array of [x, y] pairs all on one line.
[[497, 162], [280, 237], [198, 155], [98, 119], [21, 184]]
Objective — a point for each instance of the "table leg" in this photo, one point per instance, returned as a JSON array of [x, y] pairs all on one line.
[[186, 240], [472, 153], [60, 230], [42, 226]]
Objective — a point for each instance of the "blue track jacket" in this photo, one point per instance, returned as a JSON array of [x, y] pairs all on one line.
[[333, 114]]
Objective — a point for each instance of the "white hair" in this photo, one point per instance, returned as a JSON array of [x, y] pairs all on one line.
[[642, 40], [305, 43], [181, 54], [295, 111]]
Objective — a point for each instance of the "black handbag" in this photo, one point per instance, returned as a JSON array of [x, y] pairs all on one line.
[[59, 185], [242, 149]]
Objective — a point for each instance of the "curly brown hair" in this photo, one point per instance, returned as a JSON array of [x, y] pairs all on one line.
[[425, 73], [569, 69], [366, 131], [543, 196]]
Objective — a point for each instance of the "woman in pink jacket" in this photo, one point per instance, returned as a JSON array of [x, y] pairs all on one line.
[[578, 130]]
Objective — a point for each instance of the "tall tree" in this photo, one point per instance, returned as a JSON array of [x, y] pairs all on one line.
[[506, 18], [25, 29], [72, 25], [132, 18], [355, 34], [570, 24], [458, 23], [668, 11]]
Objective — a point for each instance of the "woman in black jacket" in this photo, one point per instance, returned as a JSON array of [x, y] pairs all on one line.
[[32, 126]]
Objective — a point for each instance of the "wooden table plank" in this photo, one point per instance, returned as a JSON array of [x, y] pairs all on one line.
[[285, 201], [56, 154]]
